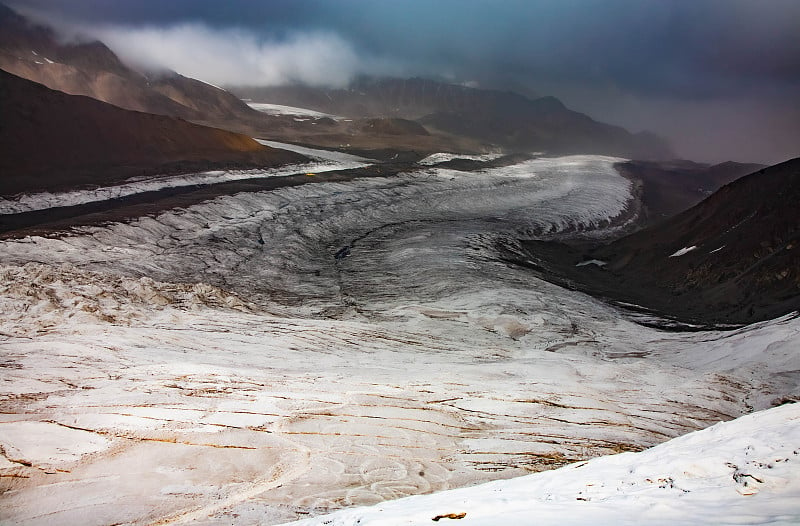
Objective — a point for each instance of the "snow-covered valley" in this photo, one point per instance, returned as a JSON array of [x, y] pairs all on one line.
[[267, 356]]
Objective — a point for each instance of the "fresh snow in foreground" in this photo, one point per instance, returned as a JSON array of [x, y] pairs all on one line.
[[746, 471], [325, 161]]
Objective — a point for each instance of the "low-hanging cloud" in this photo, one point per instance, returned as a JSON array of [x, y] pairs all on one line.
[[236, 56], [233, 55]]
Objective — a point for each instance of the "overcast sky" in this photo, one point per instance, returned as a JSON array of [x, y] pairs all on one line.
[[720, 79]]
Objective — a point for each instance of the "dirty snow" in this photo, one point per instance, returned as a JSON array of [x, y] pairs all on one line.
[[595, 262], [739, 472], [438, 158], [318, 154]]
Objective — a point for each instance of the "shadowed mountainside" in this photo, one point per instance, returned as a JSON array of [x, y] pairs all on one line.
[[733, 258], [52, 141], [674, 186]]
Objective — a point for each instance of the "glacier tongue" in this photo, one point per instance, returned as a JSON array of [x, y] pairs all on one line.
[[282, 243]]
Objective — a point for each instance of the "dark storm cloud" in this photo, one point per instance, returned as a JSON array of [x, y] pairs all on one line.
[[617, 59], [690, 49]]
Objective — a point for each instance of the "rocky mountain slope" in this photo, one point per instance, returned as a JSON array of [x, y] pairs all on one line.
[[51, 141], [35, 52], [503, 118], [733, 258], [674, 186], [738, 250]]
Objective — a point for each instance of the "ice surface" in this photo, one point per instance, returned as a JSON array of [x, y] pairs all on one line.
[[47, 444], [240, 373]]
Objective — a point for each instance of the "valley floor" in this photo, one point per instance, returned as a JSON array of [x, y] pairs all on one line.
[[268, 356]]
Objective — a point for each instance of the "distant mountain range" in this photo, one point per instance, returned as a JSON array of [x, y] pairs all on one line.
[[495, 117], [455, 117]]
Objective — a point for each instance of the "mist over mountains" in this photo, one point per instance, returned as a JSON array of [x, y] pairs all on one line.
[[716, 79], [490, 116], [461, 117]]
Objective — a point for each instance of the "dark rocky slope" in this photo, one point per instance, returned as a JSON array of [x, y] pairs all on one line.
[[674, 186], [732, 259], [34, 52], [50, 141]]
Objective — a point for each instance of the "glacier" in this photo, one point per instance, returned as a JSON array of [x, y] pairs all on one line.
[[229, 362]]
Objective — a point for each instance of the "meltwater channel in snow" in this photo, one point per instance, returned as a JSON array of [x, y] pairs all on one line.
[[265, 357]]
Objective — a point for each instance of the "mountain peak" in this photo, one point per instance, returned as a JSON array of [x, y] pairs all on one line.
[[549, 102]]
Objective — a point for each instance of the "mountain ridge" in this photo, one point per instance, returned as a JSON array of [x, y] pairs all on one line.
[[91, 68], [455, 117], [497, 117], [51, 140], [734, 258]]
